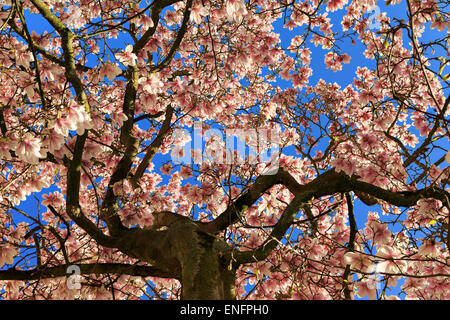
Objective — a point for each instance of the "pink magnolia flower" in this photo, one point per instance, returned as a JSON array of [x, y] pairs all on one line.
[[12, 288], [301, 78], [367, 141], [20, 195], [91, 149], [271, 285], [146, 21], [429, 249], [316, 251], [53, 141], [334, 5], [390, 263], [166, 169], [171, 17], [53, 198], [186, 171], [127, 57], [420, 123], [299, 17], [7, 253], [236, 9], [94, 48], [440, 24], [151, 84], [365, 97], [148, 102], [366, 288], [120, 118], [254, 218], [358, 261], [37, 183], [290, 25], [334, 61], [426, 208], [381, 233], [109, 70], [62, 126], [122, 187], [197, 13], [178, 153], [78, 116], [146, 218], [370, 174], [305, 55], [346, 165], [29, 149], [411, 140], [75, 19], [253, 241]]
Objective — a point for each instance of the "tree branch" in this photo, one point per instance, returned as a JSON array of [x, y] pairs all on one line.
[[156, 10], [33, 52], [178, 39], [351, 242], [43, 52], [285, 221], [148, 116], [429, 137], [73, 208], [153, 148], [328, 183], [108, 212], [257, 189], [85, 269]]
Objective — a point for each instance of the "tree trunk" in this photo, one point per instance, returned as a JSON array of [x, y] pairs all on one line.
[[201, 261], [207, 272]]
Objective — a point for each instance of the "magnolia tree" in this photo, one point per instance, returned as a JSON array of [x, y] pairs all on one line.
[[180, 149]]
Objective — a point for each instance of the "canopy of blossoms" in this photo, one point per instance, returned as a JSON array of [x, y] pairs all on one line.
[[99, 98]]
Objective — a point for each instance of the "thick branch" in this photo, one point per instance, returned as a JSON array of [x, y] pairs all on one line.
[[429, 137], [153, 148], [156, 10], [43, 52], [74, 169], [148, 116], [323, 185], [351, 243], [85, 269], [33, 52], [262, 184], [314, 227], [237, 207], [283, 224], [108, 211], [45, 11], [328, 183], [178, 39]]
